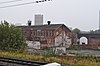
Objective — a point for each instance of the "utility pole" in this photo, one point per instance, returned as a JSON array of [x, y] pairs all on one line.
[[99, 19]]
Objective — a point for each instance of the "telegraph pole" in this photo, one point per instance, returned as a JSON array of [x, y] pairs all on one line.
[[99, 19]]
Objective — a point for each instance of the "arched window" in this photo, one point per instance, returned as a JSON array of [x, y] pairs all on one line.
[[83, 40]]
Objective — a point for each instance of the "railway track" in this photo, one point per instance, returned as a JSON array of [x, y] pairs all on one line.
[[14, 62]]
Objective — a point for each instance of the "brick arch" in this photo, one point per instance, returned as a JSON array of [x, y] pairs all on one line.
[[83, 40], [83, 35]]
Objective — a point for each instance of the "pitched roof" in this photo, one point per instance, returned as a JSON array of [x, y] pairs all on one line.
[[38, 27]]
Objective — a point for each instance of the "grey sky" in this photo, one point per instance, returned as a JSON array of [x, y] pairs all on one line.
[[82, 14]]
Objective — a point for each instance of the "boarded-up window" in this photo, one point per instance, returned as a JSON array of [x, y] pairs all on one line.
[[38, 32], [51, 33]]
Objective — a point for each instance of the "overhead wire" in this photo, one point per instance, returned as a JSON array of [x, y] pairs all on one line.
[[21, 3], [9, 1], [17, 4]]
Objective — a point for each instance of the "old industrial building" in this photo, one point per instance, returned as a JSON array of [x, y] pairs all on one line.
[[49, 35]]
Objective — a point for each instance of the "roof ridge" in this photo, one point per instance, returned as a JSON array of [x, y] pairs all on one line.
[[51, 26]]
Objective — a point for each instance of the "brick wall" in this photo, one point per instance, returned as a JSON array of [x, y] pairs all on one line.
[[94, 42]]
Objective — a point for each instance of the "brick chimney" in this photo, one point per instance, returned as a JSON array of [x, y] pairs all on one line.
[[48, 22], [29, 22]]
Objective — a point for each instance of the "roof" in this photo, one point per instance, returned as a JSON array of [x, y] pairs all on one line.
[[89, 35], [39, 27]]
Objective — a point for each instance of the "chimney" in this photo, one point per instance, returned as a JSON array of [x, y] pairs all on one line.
[[48, 22], [29, 22]]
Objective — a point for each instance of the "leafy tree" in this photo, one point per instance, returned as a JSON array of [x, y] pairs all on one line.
[[76, 30], [11, 38]]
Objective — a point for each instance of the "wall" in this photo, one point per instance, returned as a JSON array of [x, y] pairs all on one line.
[[33, 44], [48, 37], [94, 42]]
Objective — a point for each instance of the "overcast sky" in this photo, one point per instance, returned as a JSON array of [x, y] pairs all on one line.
[[82, 14]]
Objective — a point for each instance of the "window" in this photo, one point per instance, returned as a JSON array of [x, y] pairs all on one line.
[[34, 33], [42, 33], [29, 35], [38, 32], [51, 33], [46, 33]]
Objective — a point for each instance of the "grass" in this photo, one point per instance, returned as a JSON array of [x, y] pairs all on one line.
[[72, 61]]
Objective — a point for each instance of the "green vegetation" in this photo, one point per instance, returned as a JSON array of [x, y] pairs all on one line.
[[70, 60], [76, 30], [49, 53], [11, 38]]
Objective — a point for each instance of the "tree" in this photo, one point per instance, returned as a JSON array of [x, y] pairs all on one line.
[[76, 30], [11, 38]]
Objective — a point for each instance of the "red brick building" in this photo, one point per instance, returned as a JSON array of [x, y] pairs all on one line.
[[93, 40], [46, 34]]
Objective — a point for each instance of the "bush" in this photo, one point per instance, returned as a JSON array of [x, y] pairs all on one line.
[[11, 38]]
